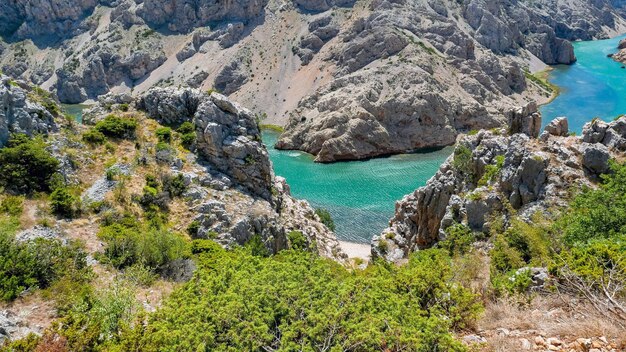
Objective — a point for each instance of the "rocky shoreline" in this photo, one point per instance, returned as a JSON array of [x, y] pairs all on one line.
[[500, 174]]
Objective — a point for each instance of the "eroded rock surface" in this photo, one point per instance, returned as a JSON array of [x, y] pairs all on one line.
[[533, 175], [20, 113]]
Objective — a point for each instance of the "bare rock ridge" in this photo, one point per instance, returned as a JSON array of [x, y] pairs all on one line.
[[531, 175], [377, 106], [19, 114]]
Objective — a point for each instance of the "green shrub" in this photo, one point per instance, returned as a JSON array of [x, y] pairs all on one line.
[[188, 134], [161, 146], [26, 166], [597, 214], [297, 240], [459, 239], [63, 202], [192, 229], [96, 318], [164, 134], [140, 275], [174, 185], [298, 301], [34, 264], [131, 243], [12, 205], [95, 137], [117, 127], [325, 218], [256, 246], [492, 171], [462, 159]]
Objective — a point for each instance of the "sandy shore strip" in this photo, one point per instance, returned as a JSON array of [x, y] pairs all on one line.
[[356, 250]]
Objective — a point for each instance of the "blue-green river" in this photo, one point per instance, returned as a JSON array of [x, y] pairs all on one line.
[[361, 195], [594, 86]]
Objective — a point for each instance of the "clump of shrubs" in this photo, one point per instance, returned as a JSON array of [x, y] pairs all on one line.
[[130, 242], [35, 264], [112, 126], [26, 166], [187, 132]]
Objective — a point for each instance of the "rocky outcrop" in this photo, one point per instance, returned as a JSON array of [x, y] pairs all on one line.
[[321, 30], [107, 63], [227, 134], [183, 16], [19, 113], [526, 175], [340, 122], [232, 190], [621, 54], [231, 77], [28, 19]]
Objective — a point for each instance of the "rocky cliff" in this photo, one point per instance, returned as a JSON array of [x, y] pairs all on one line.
[[413, 74], [21, 110], [348, 79], [494, 175]]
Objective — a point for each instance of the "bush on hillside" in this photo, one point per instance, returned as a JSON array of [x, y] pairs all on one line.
[[26, 166], [63, 203], [34, 264], [325, 218], [298, 301], [164, 134], [130, 242], [94, 137], [187, 132], [117, 127]]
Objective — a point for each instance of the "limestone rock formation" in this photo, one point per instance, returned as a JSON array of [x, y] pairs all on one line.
[[26, 19], [227, 134], [183, 16], [426, 65], [19, 113], [533, 175]]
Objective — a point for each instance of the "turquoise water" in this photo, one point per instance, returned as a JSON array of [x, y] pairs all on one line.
[[360, 195], [75, 110], [594, 86]]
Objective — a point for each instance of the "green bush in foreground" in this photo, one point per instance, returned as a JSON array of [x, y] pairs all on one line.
[[129, 242], [297, 301], [63, 202], [25, 165], [35, 263], [117, 127]]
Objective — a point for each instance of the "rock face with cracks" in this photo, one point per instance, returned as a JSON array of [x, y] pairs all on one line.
[[533, 175], [21, 114]]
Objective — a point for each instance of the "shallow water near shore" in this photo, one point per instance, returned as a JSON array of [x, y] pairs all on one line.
[[360, 195], [594, 86]]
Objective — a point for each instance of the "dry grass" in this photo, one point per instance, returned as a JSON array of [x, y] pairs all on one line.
[[552, 315]]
